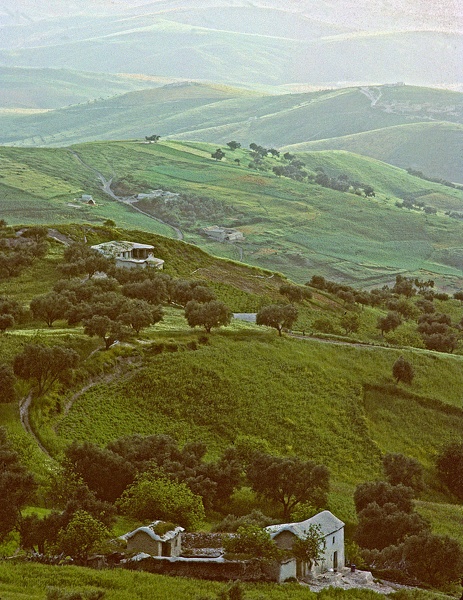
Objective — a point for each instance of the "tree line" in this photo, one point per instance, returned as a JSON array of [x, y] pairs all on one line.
[[396, 540]]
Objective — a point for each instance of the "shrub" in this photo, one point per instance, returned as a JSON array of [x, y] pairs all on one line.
[[252, 541], [154, 496]]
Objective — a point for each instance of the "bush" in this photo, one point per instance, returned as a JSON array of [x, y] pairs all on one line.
[[232, 523], [154, 496], [450, 468], [252, 541], [400, 469]]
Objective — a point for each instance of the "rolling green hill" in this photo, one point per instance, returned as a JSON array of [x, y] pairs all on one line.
[[289, 226], [331, 402], [403, 125], [274, 46], [34, 89], [434, 148]]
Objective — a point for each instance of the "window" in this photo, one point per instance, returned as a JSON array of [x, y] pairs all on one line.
[[334, 539]]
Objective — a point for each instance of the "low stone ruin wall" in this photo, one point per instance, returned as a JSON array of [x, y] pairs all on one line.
[[216, 568]]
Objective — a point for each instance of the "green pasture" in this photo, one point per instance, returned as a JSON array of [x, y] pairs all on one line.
[[432, 147], [29, 89], [21, 581], [336, 404], [291, 227]]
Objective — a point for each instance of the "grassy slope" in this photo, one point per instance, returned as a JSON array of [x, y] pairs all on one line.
[[28, 580], [200, 112], [419, 145], [289, 226], [333, 403], [25, 89]]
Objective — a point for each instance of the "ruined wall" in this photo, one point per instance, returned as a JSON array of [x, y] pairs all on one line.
[[217, 569]]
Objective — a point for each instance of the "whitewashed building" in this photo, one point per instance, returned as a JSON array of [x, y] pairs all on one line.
[[154, 540], [332, 530], [223, 234], [130, 254]]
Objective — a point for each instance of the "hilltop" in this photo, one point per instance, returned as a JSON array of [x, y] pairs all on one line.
[[419, 145], [403, 125]]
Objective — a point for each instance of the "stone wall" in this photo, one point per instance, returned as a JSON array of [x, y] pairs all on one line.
[[217, 568]]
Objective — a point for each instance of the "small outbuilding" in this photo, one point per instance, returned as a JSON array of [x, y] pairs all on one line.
[[157, 539], [332, 530], [130, 255], [223, 234]]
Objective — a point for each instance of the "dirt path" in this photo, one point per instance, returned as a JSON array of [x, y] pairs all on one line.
[[24, 406], [373, 94], [127, 200]]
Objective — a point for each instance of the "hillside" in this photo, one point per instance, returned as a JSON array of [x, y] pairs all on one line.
[[420, 146], [332, 402], [290, 226], [26, 89], [241, 42], [403, 125]]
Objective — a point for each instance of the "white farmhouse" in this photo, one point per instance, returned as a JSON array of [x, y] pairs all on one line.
[[157, 539], [130, 254], [332, 530]]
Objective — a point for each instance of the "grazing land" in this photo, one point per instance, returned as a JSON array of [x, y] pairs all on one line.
[[289, 226]]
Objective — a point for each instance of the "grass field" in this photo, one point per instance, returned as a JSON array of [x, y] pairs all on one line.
[[407, 126], [31, 581], [417, 145], [291, 227], [334, 403]]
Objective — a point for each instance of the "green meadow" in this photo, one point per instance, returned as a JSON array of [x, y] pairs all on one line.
[[332, 400], [431, 147], [32, 581], [292, 227]]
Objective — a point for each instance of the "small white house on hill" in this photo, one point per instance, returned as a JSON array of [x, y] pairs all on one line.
[[155, 540], [332, 530], [130, 255]]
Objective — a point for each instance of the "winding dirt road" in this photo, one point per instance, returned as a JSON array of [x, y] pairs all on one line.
[[127, 200]]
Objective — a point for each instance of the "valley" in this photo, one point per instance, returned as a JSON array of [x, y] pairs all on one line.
[[231, 296]]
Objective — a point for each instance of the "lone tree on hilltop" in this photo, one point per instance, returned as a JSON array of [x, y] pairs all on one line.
[[277, 316], [402, 370], [152, 139], [208, 314]]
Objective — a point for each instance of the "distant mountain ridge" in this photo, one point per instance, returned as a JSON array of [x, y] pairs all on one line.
[[305, 42]]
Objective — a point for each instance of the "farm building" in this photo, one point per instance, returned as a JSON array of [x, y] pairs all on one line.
[[130, 254], [332, 530], [223, 234], [155, 540]]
